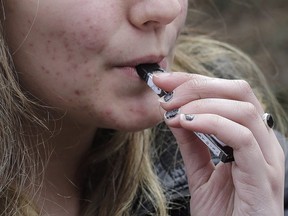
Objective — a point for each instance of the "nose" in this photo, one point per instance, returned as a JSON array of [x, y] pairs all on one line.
[[147, 14]]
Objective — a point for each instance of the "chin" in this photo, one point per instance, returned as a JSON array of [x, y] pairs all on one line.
[[134, 125]]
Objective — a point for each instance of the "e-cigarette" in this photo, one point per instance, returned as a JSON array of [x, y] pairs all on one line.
[[145, 72], [217, 147]]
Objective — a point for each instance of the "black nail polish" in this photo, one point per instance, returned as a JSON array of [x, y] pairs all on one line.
[[189, 117], [171, 114], [167, 97]]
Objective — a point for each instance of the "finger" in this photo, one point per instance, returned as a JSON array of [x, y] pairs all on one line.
[[197, 87], [247, 152], [243, 113], [170, 81]]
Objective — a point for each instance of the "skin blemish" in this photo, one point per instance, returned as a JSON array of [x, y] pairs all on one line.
[[77, 92], [54, 54], [61, 33], [107, 113], [75, 66], [45, 70], [69, 57], [66, 44], [84, 35], [85, 61]]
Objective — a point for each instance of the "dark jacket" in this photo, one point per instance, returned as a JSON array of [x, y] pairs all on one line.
[[170, 170]]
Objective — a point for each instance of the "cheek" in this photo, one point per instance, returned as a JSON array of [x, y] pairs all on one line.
[[90, 35], [91, 26], [61, 62]]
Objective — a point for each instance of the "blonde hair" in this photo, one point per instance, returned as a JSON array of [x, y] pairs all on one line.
[[124, 172], [18, 162]]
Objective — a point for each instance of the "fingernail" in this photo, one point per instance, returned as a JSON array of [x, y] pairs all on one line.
[[167, 97], [165, 74], [171, 114], [189, 117]]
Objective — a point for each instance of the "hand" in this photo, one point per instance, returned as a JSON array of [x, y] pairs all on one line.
[[251, 185]]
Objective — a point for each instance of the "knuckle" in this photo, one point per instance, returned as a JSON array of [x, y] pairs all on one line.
[[275, 179], [199, 105], [247, 137], [281, 156], [196, 83], [244, 87], [280, 159], [190, 76], [250, 110], [216, 123]]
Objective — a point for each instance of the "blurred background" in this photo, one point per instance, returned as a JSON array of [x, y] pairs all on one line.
[[257, 27]]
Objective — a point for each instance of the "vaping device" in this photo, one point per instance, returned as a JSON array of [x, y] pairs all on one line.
[[217, 147], [145, 72]]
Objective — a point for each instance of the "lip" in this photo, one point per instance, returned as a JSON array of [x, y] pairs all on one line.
[[144, 60], [128, 67], [129, 72]]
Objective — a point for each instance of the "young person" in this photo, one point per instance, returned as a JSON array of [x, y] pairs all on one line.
[[75, 116]]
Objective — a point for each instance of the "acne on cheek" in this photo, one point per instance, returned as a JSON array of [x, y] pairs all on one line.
[[61, 53], [89, 34], [71, 51], [68, 63], [74, 40], [77, 92], [45, 70]]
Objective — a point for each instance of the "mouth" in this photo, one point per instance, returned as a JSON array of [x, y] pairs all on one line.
[[128, 67], [152, 59]]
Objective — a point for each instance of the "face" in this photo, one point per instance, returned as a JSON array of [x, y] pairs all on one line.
[[79, 56]]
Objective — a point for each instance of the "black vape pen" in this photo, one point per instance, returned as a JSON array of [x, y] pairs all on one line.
[[145, 71], [218, 148]]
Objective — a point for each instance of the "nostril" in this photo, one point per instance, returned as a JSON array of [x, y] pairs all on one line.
[[147, 23], [154, 13], [151, 24]]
